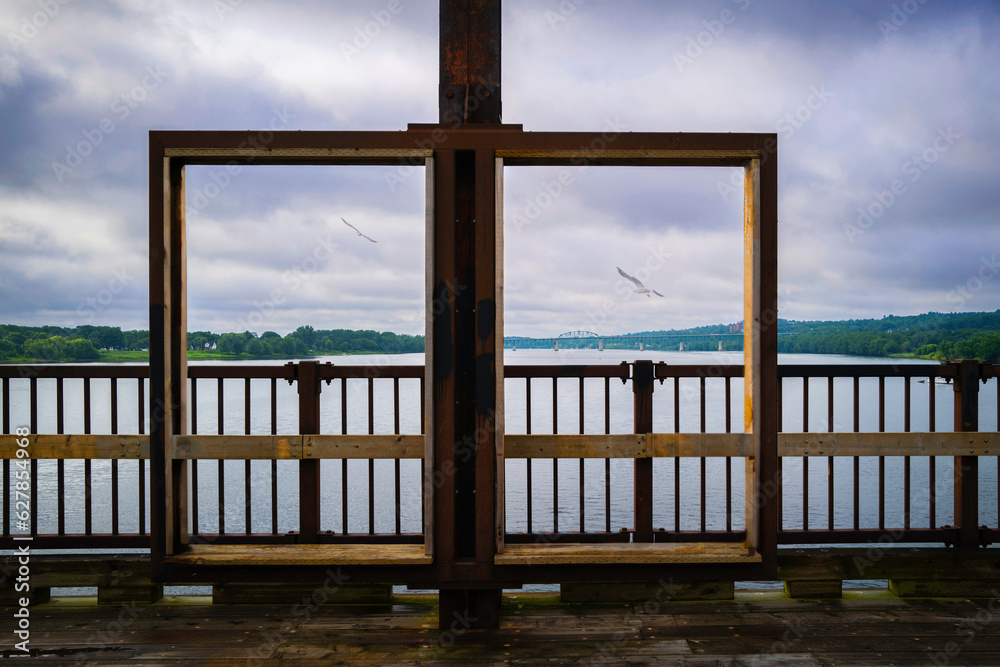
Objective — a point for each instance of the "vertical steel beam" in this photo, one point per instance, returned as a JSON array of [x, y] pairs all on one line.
[[469, 90], [168, 352], [157, 358], [465, 364], [642, 415], [766, 406], [966, 387], [441, 381]]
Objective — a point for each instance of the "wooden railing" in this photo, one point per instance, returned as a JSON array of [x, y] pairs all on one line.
[[90, 490]]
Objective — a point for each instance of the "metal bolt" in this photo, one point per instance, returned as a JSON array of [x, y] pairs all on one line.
[[449, 93]]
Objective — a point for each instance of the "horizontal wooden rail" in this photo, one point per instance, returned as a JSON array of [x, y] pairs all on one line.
[[78, 446], [350, 446], [516, 446]]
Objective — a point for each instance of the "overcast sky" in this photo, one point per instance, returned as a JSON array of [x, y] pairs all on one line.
[[887, 114]]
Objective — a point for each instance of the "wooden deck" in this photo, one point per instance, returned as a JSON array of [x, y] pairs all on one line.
[[758, 628]]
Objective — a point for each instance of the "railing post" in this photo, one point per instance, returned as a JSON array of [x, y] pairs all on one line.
[[967, 467], [642, 414], [309, 388]]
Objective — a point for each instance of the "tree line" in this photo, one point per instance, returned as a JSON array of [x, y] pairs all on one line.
[[942, 336], [93, 343]]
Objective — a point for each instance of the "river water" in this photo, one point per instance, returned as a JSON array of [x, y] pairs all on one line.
[[516, 470]]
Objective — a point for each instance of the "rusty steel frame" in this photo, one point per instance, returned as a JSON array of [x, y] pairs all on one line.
[[467, 335]]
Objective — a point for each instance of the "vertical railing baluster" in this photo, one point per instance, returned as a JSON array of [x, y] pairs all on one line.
[[60, 467], [423, 487], [856, 464], [194, 464], [395, 429], [677, 459], [5, 501], [247, 518], [932, 460], [581, 460], [781, 427], [701, 459], [607, 461], [343, 462], [881, 459], [805, 493], [906, 459], [33, 402], [6, 409], [527, 408], [141, 393], [274, 462], [87, 495], [114, 462], [829, 403], [781, 405], [555, 461], [371, 462], [729, 460], [221, 467], [805, 405], [33, 492]]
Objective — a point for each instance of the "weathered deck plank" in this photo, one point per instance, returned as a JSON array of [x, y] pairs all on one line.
[[873, 628]]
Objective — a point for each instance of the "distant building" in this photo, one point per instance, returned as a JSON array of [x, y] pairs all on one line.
[[736, 328]]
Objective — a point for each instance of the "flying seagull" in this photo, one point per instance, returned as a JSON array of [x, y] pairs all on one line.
[[639, 287], [358, 232]]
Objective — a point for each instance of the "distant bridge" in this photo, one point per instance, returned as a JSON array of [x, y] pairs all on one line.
[[683, 340]]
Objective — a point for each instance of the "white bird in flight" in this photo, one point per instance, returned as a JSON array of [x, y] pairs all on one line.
[[358, 231], [639, 287]]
